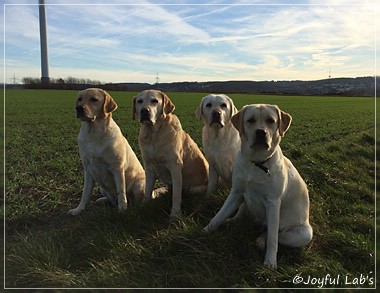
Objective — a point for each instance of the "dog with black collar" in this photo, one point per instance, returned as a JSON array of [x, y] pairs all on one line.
[[274, 192]]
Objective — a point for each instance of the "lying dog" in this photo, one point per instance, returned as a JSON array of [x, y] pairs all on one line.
[[221, 141], [267, 181], [169, 153], [106, 156]]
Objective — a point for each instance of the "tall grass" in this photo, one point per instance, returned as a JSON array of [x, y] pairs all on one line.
[[331, 142]]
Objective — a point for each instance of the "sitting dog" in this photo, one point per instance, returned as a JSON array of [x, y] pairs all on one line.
[[275, 194], [107, 157], [169, 153], [221, 141]]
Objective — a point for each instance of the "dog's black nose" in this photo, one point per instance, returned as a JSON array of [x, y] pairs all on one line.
[[144, 111], [261, 133], [80, 111], [144, 114], [216, 115]]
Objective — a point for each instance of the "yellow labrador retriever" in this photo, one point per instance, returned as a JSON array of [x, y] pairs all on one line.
[[221, 141], [106, 155], [169, 153], [267, 181]]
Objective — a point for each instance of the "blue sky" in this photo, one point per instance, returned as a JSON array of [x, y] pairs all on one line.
[[223, 40]]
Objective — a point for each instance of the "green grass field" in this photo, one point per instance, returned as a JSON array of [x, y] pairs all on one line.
[[331, 142]]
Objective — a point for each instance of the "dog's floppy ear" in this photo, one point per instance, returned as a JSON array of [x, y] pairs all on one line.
[[134, 110], [109, 103], [167, 105], [199, 110], [238, 121], [234, 110], [284, 121]]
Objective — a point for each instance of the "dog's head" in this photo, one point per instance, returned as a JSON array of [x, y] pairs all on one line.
[[216, 110], [261, 126], [94, 103], [151, 105]]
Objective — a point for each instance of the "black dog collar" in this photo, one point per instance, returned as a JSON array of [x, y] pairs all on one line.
[[261, 165]]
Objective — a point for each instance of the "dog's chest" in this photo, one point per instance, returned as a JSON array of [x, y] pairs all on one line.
[[99, 171], [251, 176], [158, 161], [257, 187], [91, 150], [222, 158], [92, 154], [162, 171], [254, 189], [221, 150]]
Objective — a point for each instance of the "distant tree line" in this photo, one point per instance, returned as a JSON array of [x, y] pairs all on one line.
[[74, 83], [359, 86], [59, 83]]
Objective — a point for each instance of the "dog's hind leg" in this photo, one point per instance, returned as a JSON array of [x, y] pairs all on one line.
[[106, 198], [298, 236], [136, 191]]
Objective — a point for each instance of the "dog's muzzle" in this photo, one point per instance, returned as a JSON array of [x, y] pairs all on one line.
[[216, 118], [144, 115], [82, 115], [261, 137]]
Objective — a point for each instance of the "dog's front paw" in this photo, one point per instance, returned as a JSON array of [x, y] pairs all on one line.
[[270, 262], [208, 229], [74, 212], [175, 214], [122, 206], [158, 192], [205, 230]]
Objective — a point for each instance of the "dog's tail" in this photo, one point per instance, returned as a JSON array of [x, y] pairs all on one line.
[[159, 191]]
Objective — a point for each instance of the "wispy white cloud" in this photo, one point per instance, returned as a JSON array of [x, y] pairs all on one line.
[[21, 27]]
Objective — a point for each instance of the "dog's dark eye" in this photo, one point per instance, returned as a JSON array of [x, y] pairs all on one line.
[[139, 101], [270, 120], [93, 100], [79, 99], [154, 101], [251, 120], [224, 105], [208, 105]]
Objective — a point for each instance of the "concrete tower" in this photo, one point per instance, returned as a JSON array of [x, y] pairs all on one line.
[[43, 41]]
